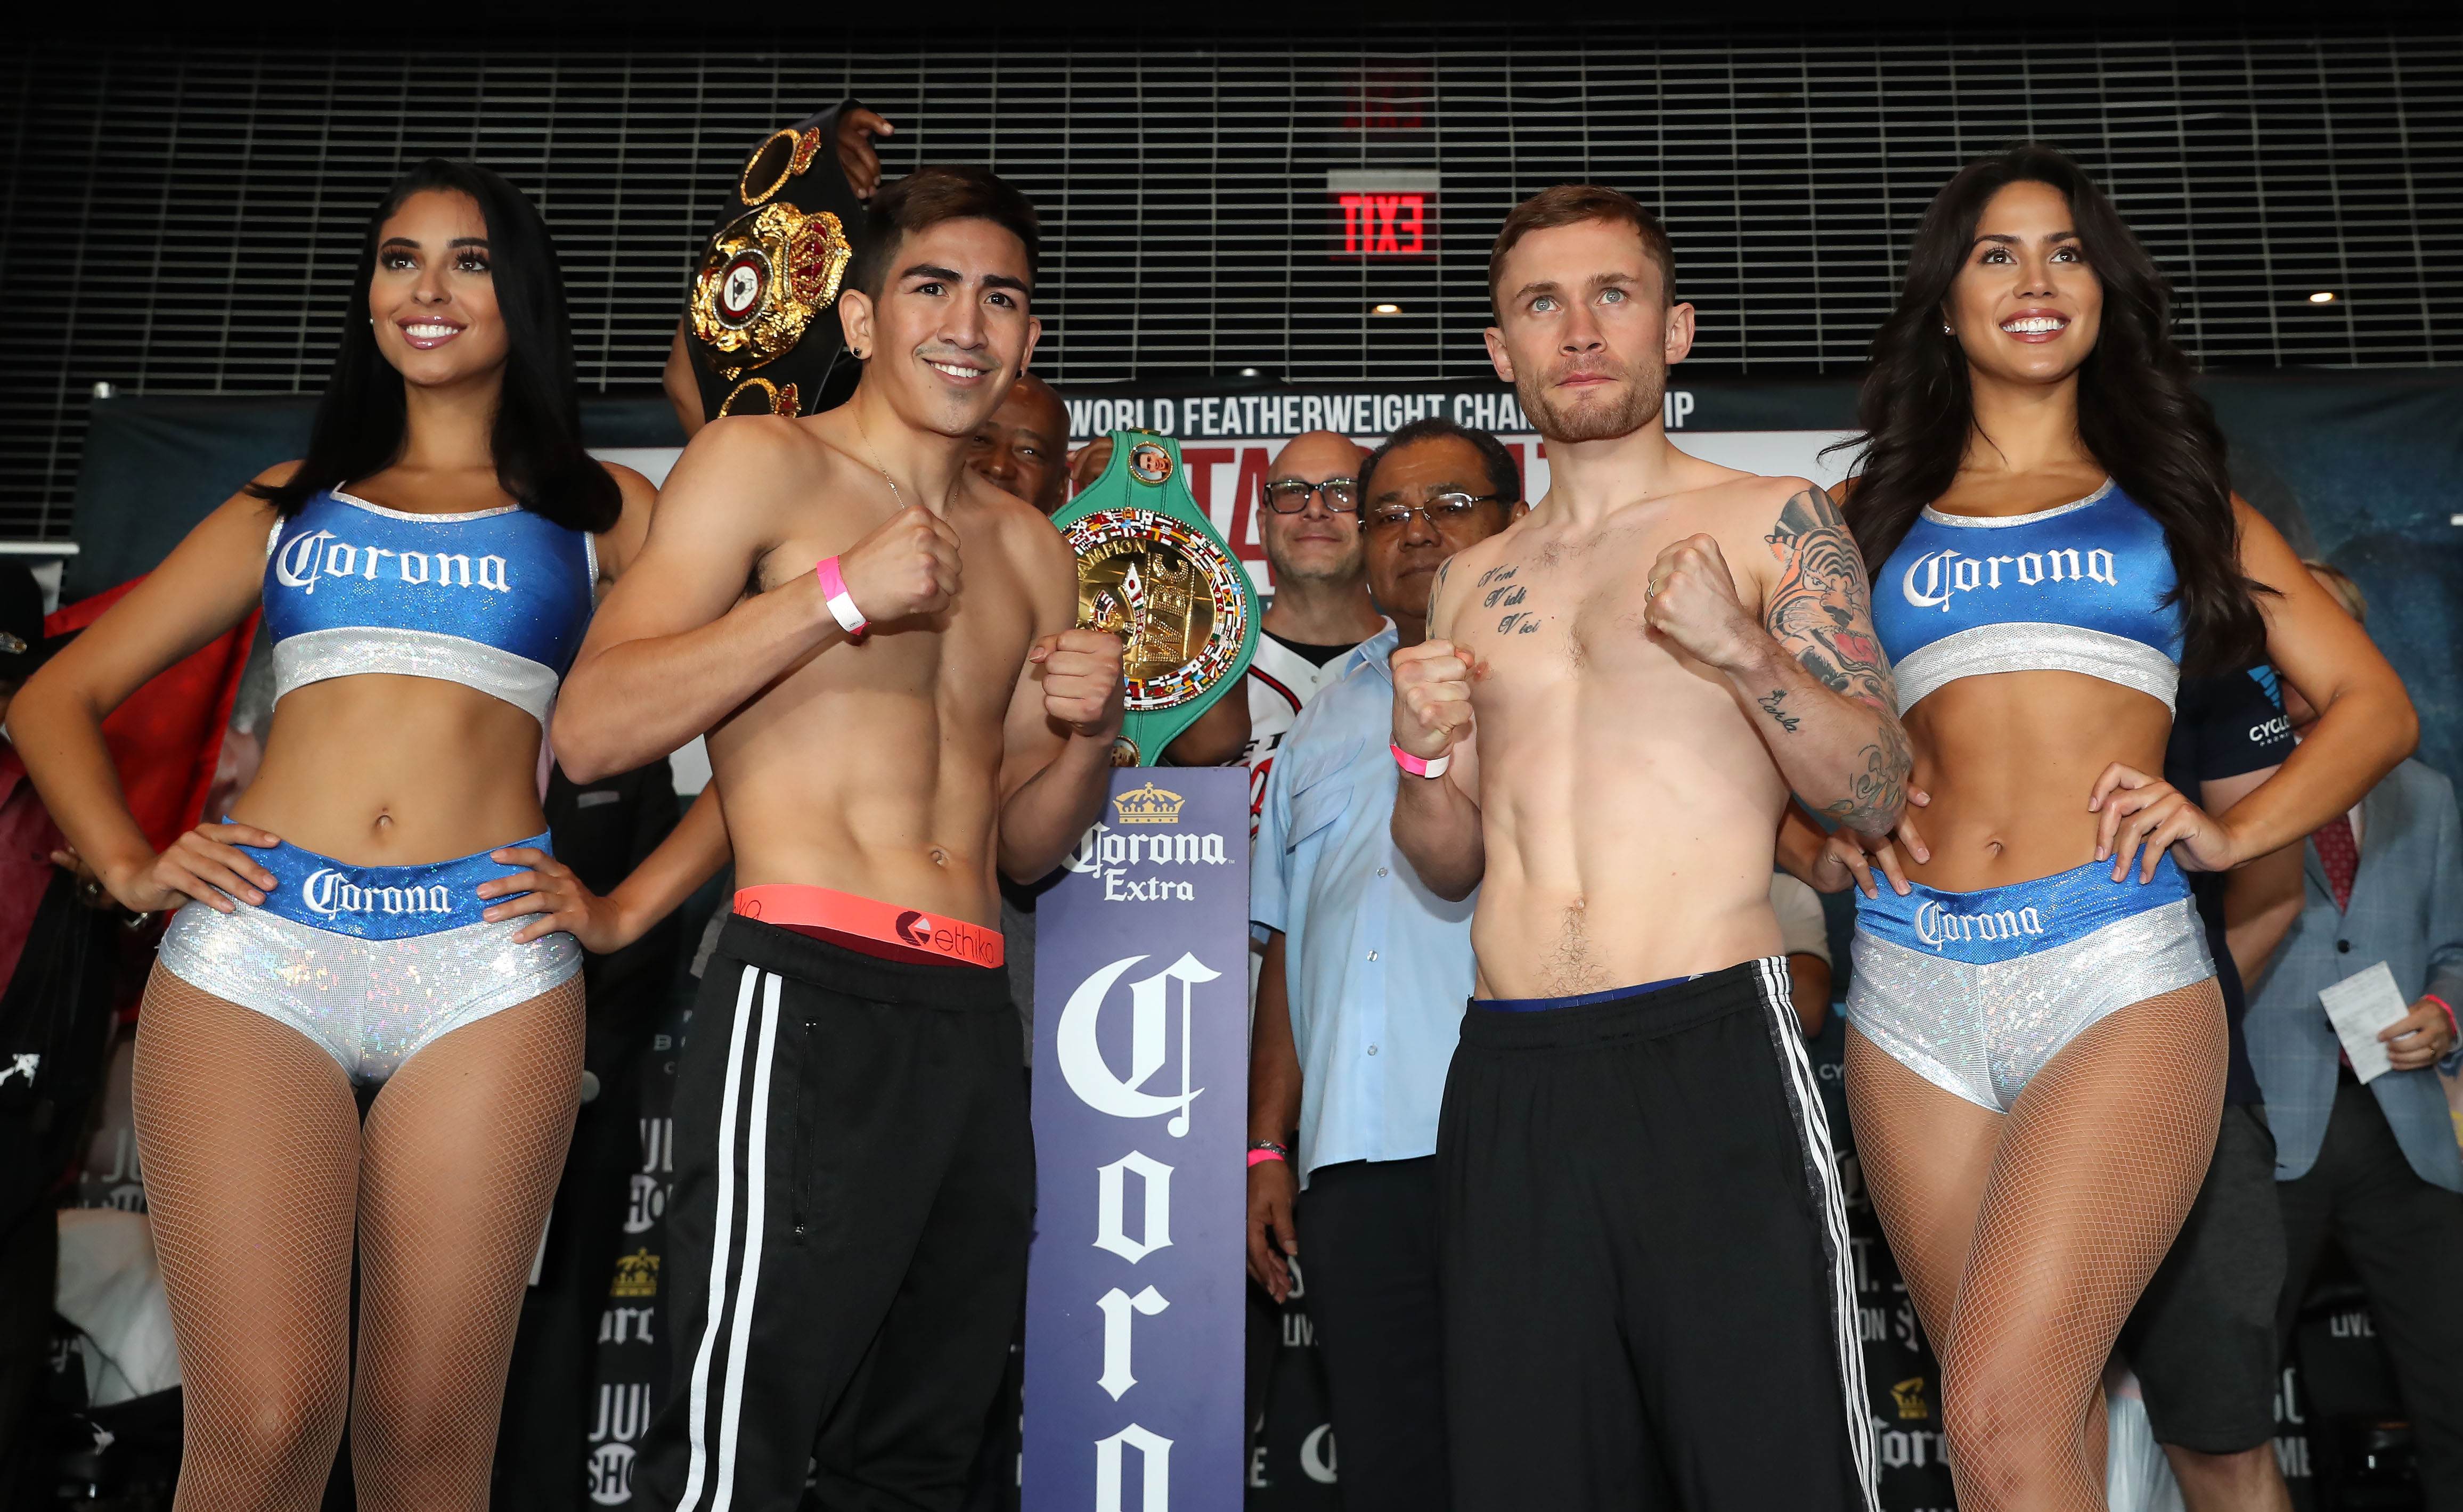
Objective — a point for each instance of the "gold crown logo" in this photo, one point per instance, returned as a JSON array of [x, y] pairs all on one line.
[[1147, 805], [1909, 1395], [636, 1275]]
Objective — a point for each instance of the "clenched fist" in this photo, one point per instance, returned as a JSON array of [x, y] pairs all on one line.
[[1082, 680], [908, 566], [1431, 698], [1692, 600]]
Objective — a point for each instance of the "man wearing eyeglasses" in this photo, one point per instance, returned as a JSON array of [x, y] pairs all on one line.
[[1365, 974], [1310, 525]]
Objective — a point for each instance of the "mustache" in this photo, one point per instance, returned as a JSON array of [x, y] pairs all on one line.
[[963, 357], [1590, 367]]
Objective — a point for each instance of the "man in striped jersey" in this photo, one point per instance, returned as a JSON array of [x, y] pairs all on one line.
[[1309, 520]]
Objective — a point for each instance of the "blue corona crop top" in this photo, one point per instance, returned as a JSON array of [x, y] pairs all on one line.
[[495, 600], [2075, 589]]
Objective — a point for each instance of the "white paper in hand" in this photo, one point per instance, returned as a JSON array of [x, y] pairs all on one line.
[[2359, 1006]]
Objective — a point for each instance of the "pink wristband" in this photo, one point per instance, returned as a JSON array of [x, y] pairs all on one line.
[[843, 608], [1259, 1156], [1422, 769]]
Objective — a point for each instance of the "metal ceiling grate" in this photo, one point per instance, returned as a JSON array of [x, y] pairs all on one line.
[[182, 221]]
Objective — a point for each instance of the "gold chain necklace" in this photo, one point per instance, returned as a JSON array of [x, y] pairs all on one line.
[[894, 491]]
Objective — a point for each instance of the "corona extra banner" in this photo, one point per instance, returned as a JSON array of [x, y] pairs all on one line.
[[1134, 1303]]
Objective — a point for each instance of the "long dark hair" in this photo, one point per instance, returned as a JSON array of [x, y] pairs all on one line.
[[537, 438], [2138, 412]]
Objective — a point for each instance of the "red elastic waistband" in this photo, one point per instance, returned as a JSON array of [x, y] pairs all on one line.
[[871, 926]]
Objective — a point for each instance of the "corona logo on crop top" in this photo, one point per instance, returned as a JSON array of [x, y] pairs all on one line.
[[1147, 805], [1931, 579], [306, 560]]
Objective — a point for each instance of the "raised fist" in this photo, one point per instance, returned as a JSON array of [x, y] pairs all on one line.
[[1692, 599], [1431, 698], [908, 566], [1083, 685]]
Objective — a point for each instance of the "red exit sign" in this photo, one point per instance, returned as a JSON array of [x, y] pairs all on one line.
[[1382, 215]]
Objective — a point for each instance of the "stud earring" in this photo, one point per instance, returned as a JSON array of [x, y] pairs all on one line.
[[1948, 331]]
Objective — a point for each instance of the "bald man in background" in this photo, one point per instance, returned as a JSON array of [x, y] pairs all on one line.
[[1309, 521], [1024, 448]]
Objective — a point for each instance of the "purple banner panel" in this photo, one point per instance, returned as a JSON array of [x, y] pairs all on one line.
[[1135, 1300]]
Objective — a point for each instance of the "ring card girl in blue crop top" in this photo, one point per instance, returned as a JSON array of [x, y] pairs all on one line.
[[382, 906], [2036, 1046]]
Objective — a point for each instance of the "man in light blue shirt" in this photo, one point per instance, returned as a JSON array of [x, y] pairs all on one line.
[[1361, 996]]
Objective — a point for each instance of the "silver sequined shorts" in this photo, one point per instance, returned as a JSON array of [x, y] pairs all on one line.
[[1974, 992], [371, 1004]]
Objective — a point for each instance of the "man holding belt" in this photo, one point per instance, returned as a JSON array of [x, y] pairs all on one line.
[[854, 1170]]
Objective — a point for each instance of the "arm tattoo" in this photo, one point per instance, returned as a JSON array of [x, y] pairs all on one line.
[[1769, 706], [1820, 610], [1877, 792]]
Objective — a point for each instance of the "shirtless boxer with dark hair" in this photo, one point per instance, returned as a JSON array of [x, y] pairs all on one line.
[[879, 642], [1645, 1273]]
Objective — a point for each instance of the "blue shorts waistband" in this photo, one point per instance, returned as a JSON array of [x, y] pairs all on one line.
[[1580, 1000], [381, 902], [2003, 924]]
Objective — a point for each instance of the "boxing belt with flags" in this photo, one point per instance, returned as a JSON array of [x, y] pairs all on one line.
[[1151, 570]]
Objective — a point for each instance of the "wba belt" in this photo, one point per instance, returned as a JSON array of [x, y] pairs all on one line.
[[868, 925]]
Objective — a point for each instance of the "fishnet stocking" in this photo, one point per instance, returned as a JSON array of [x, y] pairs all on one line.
[[257, 1166], [251, 1144], [2026, 1238]]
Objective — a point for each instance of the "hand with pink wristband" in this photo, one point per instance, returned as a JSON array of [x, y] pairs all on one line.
[[908, 566], [1431, 705]]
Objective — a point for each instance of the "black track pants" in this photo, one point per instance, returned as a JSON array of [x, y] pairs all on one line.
[[1644, 1260], [854, 1190], [1368, 1233]]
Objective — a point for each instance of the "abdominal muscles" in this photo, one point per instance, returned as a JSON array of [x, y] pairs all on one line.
[[2010, 760], [1623, 849], [386, 770], [873, 791]]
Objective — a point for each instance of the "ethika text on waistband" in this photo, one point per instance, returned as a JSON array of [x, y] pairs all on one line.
[[871, 927]]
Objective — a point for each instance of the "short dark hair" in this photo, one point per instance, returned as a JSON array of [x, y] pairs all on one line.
[[1572, 205], [363, 420], [1504, 479], [929, 195]]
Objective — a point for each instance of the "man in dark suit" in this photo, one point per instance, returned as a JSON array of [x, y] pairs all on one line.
[[2377, 1164]]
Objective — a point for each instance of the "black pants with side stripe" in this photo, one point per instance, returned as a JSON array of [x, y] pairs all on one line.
[[1643, 1260], [847, 1235]]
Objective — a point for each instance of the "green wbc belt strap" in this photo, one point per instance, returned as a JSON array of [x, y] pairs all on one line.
[[1151, 570]]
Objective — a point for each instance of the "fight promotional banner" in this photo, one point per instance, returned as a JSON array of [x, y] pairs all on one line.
[[1134, 1306], [1227, 441]]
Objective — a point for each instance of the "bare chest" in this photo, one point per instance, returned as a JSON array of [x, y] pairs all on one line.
[[964, 659], [1571, 622]]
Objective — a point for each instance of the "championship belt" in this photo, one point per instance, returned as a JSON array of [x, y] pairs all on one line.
[[1151, 570], [762, 280], [760, 328]]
